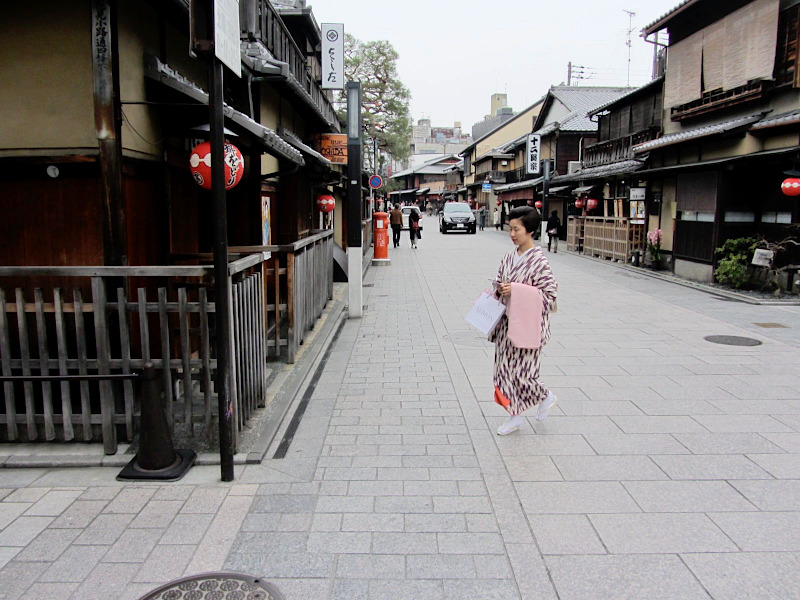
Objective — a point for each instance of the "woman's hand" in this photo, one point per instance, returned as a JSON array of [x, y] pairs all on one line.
[[504, 289]]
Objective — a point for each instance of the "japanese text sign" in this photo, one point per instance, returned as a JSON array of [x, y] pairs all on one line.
[[532, 154], [332, 56]]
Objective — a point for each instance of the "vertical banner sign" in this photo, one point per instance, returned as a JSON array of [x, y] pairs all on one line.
[[532, 153], [332, 56], [226, 34]]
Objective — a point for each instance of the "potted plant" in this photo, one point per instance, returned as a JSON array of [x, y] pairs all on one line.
[[654, 248]]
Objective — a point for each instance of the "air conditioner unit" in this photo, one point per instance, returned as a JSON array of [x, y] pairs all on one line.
[[573, 166]]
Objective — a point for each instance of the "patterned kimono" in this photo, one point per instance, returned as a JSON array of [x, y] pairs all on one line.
[[516, 370]]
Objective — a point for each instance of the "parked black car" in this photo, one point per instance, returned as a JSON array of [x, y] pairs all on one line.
[[457, 216]]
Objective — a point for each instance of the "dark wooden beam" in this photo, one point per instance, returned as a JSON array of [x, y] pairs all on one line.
[[105, 78]]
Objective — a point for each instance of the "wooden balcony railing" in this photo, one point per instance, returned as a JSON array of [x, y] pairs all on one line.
[[615, 150], [605, 237], [261, 21], [115, 319], [492, 176]]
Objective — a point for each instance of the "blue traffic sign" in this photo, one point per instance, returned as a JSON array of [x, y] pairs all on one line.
[[375, 182], [486, 187]]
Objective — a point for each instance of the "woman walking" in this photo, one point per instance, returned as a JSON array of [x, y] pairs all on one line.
[[413, 227], [516, 369]]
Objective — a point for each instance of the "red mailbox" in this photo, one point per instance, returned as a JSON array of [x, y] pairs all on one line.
[[380, 231]]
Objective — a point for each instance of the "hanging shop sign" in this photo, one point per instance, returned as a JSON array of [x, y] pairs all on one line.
[[200, 165], [333, 146], [226, 35], [638, 193], [533, 154], [332, 56]]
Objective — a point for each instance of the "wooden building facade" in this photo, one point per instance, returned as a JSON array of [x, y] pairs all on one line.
[[107, 238]]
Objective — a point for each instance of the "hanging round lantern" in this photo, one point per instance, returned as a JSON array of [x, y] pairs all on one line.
[[591, 204], [200, 165], [791, 186], [498, 202], [580, 203], [538, 204], [326, 203]]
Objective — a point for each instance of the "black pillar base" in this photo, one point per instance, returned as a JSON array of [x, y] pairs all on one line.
[[184, 459]]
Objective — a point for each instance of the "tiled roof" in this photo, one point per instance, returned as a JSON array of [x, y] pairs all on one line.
[[607, 105], [789, 118], [430, 167], [661, 20], [618, 168], [519, 185], [696, 133], [158, 71], [581, 101]]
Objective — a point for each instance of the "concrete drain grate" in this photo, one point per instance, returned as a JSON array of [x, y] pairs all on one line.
[[732, 340], [216, 586]]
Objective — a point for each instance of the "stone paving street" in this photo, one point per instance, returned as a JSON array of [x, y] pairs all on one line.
[[670, 469]]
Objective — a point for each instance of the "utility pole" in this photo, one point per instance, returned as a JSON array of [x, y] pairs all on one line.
[[629, 43], [355, 291], [569, 73]]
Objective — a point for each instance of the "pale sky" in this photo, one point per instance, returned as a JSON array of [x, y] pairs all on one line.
[[454, 54]]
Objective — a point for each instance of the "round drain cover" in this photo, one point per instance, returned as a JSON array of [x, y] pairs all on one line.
[[732, 340], [216, 586]]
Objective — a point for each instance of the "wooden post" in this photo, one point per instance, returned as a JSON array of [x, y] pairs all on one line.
[[104, 365], [105, 77]]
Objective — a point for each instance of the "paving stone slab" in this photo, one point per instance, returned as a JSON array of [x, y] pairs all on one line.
[[747, 575], [632, 577]]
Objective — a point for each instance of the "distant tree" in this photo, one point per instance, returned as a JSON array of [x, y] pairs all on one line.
[[385, 99]]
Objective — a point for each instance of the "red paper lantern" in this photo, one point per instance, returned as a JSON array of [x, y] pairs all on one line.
[[591, 204], [326, 203], [538, 204], [498, 203], [791, 186], [580, 203], [200, 165]]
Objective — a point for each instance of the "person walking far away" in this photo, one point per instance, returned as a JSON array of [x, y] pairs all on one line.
[[553, 225], [527, 286], [497, 219], [413, 227], [482, 217], [396, 221]]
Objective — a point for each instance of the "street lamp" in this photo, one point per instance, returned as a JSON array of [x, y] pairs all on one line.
[[354, 254]]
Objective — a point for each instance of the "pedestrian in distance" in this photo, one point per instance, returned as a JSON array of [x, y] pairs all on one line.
[[396, 221], [553, 225], [413, 227], [497, 219], [482, 217], [516, 369]]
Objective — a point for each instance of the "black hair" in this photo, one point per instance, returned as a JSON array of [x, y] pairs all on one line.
[[529, 217]]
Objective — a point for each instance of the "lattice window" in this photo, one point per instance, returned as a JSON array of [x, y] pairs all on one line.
[[787, 72]]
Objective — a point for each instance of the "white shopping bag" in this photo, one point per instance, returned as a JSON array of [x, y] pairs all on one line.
[[486, 313]]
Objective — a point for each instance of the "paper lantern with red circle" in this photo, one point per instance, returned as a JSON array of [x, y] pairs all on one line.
[[791, 186], [326, 203], [580, 203], [591, 204], [538, 204], [200, 164]]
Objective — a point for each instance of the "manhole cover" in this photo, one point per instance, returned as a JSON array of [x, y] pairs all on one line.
[[465, 339], [216, 586], [771, 325], [732, 340]]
